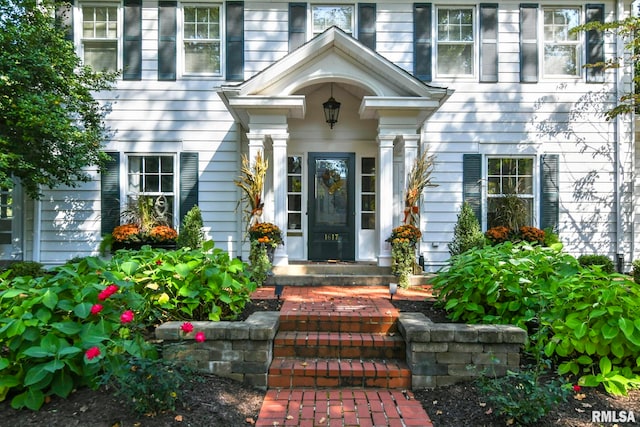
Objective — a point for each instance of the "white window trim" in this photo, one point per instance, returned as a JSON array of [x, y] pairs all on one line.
[[580, 44], [354, 23], [535, 221], [124, 181], [180, 56], [476, 37], [77, 29]]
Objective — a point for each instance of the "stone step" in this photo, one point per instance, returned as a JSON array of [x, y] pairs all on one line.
[[330, 373], [328, 322], [338, 345]]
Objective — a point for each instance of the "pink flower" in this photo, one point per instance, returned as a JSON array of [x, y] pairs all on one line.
[[92, 353], [186, 327], [126, 317], [200, 336], [107, 292], [577, 388], [158, 262], [96, 308]]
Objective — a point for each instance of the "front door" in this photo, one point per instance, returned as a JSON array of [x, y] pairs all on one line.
[[331, 207]]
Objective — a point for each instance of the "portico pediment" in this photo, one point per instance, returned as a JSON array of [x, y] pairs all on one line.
[[333, 57]]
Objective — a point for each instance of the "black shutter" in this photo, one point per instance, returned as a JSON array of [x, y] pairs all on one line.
[[528, 43], [64, 17], [132, 45], [489, 43], [595, 44], [471, 183], [422, 41], [367, 24], [188, 182], [167, 40], [549, 191], [235, 40], [297, 25], [110, 194]]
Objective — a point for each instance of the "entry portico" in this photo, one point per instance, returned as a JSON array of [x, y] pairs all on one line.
[[342, 202]]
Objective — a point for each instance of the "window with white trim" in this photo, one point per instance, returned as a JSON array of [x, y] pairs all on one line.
[[294, 193], [100, 37], [455, 42], [368, 193], [342, 16], [509, 190], [201, 37], [152, 177], [562, 47], [6, 215]]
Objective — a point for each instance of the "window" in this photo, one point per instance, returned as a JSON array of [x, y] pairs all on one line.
[[455, 42], [561, 47], [327, 16], [509, 191], [6, 215], [294, 193], [152, 177], [100, 37], [368, 193], [201, 37]]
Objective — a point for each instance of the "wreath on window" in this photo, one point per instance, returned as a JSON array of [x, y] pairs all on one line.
[[332, 180]]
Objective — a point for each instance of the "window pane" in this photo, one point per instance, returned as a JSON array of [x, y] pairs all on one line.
[[167, 183], [368, 165], [101, 56], [455, 59], [202, 58], [295, 202], [368, 221], [151, 164], [560, 59], [151, 183], [369, 184], [368, 202], [294, 164], [328, 16], [494, 185], [294, 184], [294, 221]]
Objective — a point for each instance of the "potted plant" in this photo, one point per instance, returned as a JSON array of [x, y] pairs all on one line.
[[265, 237], [403, 241], [145, 223]]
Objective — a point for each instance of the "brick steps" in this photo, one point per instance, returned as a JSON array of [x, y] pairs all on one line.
[[331, 373], [338, 345], [343, 342]]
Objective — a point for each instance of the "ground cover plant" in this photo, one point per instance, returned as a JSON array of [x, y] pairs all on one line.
[[586, 320], [62, 330]]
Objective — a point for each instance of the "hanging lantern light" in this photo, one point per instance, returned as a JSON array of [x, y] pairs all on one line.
[[331, 109]]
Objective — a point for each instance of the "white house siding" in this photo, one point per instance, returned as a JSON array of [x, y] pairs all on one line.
[[506, 118]]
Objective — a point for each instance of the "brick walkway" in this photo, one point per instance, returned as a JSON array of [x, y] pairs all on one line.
[[363, 393]]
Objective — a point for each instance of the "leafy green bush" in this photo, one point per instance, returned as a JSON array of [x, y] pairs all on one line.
[[603, 261], [466, 233], [191, 232], [188, 284], [26, 268], [60, 331], [522, 397], [636, 271], [587, 321]]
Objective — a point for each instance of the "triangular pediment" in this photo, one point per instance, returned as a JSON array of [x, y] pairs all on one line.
[[331, 57]]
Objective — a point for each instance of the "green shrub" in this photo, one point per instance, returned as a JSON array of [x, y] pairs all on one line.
[[191, 232], [26, 268], [550, 237], [636, 271], [603, 261], [60, 331], [466, 233], [586, 320]]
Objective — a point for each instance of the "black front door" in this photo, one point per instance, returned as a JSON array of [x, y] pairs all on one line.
[[331, 207]]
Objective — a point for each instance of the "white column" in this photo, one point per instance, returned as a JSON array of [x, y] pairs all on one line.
[[385, 196], [279, 170]]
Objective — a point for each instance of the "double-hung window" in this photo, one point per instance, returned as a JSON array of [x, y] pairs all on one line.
[[151, 178], [509, 191], [455, 42], [342, 16], [561, 46], [202, 39], [100, 37]]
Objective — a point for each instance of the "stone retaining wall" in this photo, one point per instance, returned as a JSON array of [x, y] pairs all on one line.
[[241, 351], [441, 354]]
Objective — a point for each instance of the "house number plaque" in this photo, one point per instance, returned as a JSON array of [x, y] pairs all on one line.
[[331, 236]]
